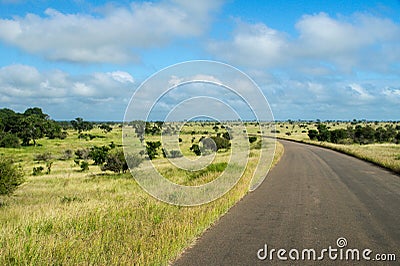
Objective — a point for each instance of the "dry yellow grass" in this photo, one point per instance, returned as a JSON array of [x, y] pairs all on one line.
[[90, 218]]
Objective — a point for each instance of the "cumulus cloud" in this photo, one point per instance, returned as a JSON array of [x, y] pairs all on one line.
[[361, 41], [253, 44], [24, 86], [112, 34]]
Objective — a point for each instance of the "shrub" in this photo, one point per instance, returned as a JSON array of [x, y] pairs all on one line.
[[37, 170], [67, 154], [117, 162], [252, 139], [98, 154], [9, 140], [84, 166], [82, 153], [151, 148], [196, 149], [226, 135], [10, 176], [44, 157], [208, 144], [312, 134], [175, 154], [133, 160]]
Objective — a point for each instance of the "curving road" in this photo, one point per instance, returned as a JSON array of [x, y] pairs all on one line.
[[310, 199]]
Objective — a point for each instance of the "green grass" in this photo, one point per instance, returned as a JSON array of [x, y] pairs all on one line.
[[71, 217]]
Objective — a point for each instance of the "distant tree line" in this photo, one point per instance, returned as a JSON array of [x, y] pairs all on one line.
[[25, 128], [358, 134]]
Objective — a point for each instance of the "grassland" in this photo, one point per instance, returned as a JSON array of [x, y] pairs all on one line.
[[70, 217], [384, 154]]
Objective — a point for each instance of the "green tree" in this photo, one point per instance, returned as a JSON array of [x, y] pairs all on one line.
[[31, 127], [323, 133], [221, 143], [9, 140], [117, 162], [152, 148], [36, 111], [106, 128], [313, 134], [80, 125], [338, 134], [196, 149], [252, 139], [10, 176], [98, 154]]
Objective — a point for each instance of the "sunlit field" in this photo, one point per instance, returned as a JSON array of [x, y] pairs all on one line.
[[66, 216]]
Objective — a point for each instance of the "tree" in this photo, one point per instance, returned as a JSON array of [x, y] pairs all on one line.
[[98, 154], [252, 139], [338, 134], [151, 148], [106, 128], [196, 149], [313, 134], [36, 111], [31, 127], [117, 162], [10, 176], [80, 125], [323, 133], [8, 140], [208, 144], [221, 143]]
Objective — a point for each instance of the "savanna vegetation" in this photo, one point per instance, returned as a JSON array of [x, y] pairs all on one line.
[[69, 198], [374, 141]]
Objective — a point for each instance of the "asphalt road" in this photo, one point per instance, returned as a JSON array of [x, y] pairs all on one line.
[[312, 197]]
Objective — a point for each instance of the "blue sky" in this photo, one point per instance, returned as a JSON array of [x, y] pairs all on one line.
[[311, 59]]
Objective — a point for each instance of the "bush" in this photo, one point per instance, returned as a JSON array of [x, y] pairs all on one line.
[[117, 162], [221, 143], [10, 176], [226, 135], [98, 154], [175, 154], [37, 170], [67, 154], [151, 148], [82, 153], [44, 157], [312, 134], [208, 144], [9, 140], [252, 139], [196, 149], [84, 166]]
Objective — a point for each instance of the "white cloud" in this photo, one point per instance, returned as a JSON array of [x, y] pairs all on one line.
[[109, 36], [361, 93], [361, 41], [253, 44], [25, 86], [122, 77]]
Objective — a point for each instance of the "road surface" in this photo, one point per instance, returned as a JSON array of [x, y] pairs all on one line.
[[309, 200]]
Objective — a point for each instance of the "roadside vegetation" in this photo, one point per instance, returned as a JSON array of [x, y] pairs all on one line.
[[70, 200], [373, 141]]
